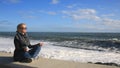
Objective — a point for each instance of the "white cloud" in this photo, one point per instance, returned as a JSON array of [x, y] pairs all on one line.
[[28, 16], [10, 1], [14, 1], [71, 6], [47, 12], [91, 14], [5, 23], [111, 22], [55, 2], [87, 11], [82, 14], [108, 15], [41, 11], [80, 11], [34, 14], [52, 13]]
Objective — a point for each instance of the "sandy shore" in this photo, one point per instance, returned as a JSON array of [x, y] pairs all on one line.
[[7, 62]]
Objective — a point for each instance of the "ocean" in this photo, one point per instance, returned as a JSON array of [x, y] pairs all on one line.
[[72, 46]]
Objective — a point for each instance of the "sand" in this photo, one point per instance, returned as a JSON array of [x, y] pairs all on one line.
[[6, 61]]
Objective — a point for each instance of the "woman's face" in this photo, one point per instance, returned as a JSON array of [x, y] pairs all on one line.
[[23, 29]]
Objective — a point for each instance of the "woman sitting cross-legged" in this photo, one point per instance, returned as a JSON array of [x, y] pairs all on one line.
[[24, 51]]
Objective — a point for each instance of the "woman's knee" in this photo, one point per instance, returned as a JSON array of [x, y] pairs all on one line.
[[37, 47], [27, 55]]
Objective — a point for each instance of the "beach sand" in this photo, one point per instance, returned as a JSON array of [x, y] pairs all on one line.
[[6, 61]]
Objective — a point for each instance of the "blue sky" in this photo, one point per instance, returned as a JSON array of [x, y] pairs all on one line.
[[61, 15]]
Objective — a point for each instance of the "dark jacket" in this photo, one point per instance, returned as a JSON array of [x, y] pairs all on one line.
[[20, 41]]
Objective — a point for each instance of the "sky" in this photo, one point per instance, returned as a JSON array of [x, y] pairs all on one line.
[[61, 15]]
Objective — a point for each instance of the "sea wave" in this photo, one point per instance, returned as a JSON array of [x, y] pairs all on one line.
[[88, 41], [98, 45], [65, 53]]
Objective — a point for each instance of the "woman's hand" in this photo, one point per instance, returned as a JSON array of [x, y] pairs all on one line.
[[26, 49], [41, 43]]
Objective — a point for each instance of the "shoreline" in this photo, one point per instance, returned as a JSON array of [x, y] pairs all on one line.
[[7, 62]]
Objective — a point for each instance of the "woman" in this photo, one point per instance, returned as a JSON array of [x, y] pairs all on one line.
[[24, 51]]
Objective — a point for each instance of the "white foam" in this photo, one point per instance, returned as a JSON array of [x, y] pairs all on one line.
[[64, 53], [6, 44]]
